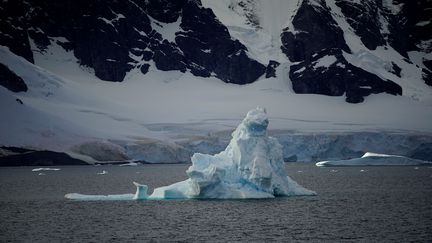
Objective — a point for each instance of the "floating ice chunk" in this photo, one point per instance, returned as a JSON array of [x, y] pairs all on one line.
[[251, 166], [42, 169], [130, 164], [82, 197], [370, 159], [104, 172], [141, 192], [41, 174]]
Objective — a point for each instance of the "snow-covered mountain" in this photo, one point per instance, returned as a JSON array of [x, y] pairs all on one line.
[[157, 80]]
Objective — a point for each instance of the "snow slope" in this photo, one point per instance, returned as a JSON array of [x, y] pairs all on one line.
[[258, 24], [161, 116], [379, 61], [164, 106]]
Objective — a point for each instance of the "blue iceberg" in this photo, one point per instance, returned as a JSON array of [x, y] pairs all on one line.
[[251, 166]]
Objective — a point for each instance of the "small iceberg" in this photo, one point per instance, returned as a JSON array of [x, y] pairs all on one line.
[[104, 172], [45, 169], [251, 166], [130, 164], [373, 159], [116, 197]]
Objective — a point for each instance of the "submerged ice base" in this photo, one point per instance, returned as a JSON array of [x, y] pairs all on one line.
[[251, 166]]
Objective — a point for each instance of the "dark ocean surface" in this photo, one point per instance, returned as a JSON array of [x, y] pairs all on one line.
[[364, 204]]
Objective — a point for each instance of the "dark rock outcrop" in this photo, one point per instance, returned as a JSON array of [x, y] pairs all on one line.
[[13, 28], [316, 38], [316, 30], [10, 80], [339, 78], [427, 76], [112, 37], [208, 46], [405, 32], [27, 157], [271, 69], [364, 18]]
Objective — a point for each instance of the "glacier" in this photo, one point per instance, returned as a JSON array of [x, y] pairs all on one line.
[[374, 159], [251, 166]]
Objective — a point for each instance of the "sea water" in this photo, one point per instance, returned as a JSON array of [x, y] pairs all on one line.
[[353, 204]]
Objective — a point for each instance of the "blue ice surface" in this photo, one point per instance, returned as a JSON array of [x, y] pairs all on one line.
[[251, 167]]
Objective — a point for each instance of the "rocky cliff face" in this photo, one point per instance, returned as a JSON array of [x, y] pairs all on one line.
[[114, 37], [10, 80], [317, 44]]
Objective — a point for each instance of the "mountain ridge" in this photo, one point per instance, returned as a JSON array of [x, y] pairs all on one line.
[[115, 37], [187, 80]]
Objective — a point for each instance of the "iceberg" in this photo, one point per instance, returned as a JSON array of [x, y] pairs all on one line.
[[130, 164], [115, 197], [374, 159], [45, 169], [251, 166]]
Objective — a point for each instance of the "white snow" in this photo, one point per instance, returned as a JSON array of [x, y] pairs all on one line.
[[325, 61], [423, 23], [394, 8], [158, 117], [379, 61], [46, 169], [263, 41], [374, 159], [251, 166], [66, 105], [167, 30], [114, 20], [300, 70]]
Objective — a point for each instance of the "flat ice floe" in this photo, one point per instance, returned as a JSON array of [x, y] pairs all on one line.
[[83, 197], [371, 159], [45, 169], [251, 166]]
